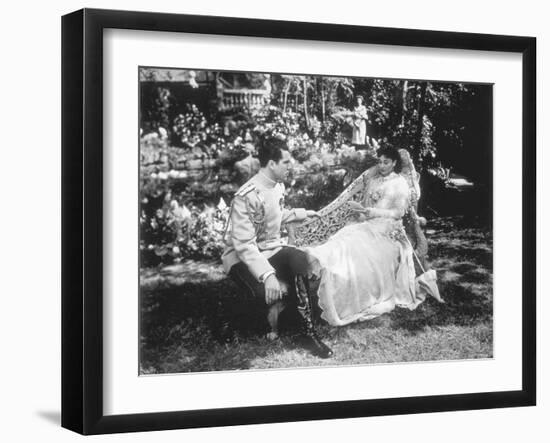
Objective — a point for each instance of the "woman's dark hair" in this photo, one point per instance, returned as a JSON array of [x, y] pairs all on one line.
[[270, 149], [393, 154]]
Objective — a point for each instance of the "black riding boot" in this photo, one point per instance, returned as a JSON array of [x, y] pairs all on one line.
[[312, 342]]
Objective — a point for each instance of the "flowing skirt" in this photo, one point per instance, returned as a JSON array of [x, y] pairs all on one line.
[[365, 270], [359, 133]]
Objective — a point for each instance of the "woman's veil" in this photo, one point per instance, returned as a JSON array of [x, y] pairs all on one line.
[[408, 171]]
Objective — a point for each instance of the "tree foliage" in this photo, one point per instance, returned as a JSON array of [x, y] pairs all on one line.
[[190, 147]]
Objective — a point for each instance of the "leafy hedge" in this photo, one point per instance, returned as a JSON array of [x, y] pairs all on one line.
[[186, 188], [173, 232], [187, 185]]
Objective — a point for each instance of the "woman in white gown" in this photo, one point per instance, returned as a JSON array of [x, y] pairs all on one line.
[[359, 125], [367, 268]]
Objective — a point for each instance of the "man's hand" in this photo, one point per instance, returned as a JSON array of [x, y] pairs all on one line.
[[356, 207], [272, 289], [310, 213]]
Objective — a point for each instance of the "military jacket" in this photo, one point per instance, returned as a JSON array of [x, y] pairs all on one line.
[[254, 227]]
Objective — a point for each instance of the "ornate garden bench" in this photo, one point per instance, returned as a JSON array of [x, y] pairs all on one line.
[[338, 213]]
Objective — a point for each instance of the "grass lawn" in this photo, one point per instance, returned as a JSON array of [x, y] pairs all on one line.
[[195, 319]]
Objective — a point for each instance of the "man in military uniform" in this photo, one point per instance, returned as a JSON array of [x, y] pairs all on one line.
[[255, 255]]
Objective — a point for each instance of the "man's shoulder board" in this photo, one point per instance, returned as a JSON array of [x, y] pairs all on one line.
[[245, 190]]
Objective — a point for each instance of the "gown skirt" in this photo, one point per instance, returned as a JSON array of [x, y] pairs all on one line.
[[365, 270], [359, 133]]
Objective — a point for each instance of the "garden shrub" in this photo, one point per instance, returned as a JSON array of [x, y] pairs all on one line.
[[186, 182], [173, 232]]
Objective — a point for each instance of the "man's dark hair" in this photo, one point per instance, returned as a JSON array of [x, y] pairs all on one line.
[[390, 152], [271, 149]]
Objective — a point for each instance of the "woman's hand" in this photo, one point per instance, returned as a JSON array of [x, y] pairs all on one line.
[[360, 209], [356, 207]]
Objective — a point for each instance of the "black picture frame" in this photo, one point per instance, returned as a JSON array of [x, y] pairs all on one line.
[[82, 218]]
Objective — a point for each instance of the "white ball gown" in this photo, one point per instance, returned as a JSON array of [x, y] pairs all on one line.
[[367, 268]]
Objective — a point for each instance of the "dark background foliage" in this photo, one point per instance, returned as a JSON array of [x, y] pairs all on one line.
[[196, 150]]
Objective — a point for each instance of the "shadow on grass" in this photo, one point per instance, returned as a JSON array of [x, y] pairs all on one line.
[[205, 325], [194, 319], [461, 308], [463, 260]]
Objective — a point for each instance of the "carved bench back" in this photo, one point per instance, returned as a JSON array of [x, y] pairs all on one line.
[[331, 218], [337, 214]]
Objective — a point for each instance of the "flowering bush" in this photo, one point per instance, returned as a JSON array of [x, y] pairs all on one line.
[[272, 121], [173, 232], [192, 131], [181, 184]]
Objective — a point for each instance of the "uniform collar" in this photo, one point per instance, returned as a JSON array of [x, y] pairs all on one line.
[[266, 181]]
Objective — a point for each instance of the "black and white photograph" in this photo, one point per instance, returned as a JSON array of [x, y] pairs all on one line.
[[275, 221], [290, 220]]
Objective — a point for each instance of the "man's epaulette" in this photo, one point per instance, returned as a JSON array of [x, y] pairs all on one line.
[[245, 190]]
